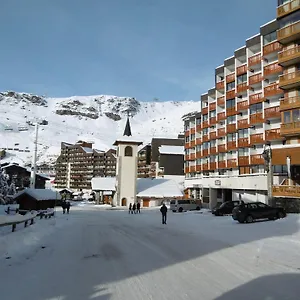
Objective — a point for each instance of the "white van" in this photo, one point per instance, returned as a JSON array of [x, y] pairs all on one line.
[[184, 205]]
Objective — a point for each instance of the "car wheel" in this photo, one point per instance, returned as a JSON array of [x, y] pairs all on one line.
[[249, 219], [180, 209], [173, 210], [280, 215], [240, 220], [198, 208]]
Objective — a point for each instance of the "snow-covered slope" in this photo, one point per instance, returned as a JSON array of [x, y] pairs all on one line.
[[99, 119]]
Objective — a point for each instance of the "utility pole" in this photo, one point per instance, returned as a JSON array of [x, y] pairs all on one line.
[[34, 157]]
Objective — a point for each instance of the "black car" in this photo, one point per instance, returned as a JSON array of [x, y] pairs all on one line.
[[225, 208], [248, 212]]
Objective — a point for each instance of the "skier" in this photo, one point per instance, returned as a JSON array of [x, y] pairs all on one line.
[[133, 208], [163, 211], [130, 207], [138, 207], [68, 205]]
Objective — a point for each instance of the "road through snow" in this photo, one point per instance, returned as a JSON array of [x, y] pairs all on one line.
[[110, 255]]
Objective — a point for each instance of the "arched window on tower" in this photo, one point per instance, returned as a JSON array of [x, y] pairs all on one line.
[[128, 151]]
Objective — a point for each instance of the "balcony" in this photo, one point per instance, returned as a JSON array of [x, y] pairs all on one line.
[[198, 141], [222, 148], [204, 111], [198, 168], [243, 124], [231, 145], [198, 127], [205, 152], [254, 79], [187, 170], [272, 47], [243, 105], [244, 161], [241, 70], [231, 128], [213, 150], [256, 118], [272, 113], [205, 138], [198, 154], [289, 57], [193, 143], [289, 33], [243, 142], [290, 103], [213, 135], [205, 167], [271, 69], [187, 145], [193, 130], [290, 129], [222, 164], [254, 60], [221, 101], [273, 134], [193, 169], [231, 111], [291, 191], [221, 116], [242, 87], [272, 90], [256, 98], [187, 133], [221, 132], [230, 78], [287, 8], [212, 120], [213, 166], [257, 159], [230, 94], [212, 106], [257, 139], [232, 163], [205, 124], [289, 80], [220, 85]]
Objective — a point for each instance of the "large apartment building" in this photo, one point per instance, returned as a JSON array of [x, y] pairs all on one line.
[[254, 105], [79, 163]]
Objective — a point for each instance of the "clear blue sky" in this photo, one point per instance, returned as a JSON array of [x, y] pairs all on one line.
[[141, 48]]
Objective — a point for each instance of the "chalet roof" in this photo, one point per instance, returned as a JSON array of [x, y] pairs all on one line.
[[39, 194]]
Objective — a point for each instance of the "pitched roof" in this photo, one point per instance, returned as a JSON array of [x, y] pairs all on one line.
[[127, 131], [104, 183], [164, 149], [40, 194]]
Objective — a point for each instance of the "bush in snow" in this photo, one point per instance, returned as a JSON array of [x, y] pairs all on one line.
[[3, 186]]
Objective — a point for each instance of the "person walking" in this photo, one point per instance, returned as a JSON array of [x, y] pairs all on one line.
[[133, 208], [163, 211], [130, 208], [138, 207], [68, 205], [64, 206]]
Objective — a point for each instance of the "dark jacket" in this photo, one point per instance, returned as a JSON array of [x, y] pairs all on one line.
[[138, 206], [133, 206], [163, 209], [130, 206]]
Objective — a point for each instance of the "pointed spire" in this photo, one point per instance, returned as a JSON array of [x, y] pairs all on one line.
[[127, 131]]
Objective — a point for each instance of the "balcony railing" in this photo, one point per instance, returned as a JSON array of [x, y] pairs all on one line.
[[213, 150], [198, 141], [186, 170], [221, 132], [287, 8], [198, 168], [256, 118], [254, 60], [213, 166], [198, 127], [291, 54], [257, 159], [187, 133], [220, 85], [204, 110], [242, 105], [193, 169], [221, 101], [213, 120], [232, 163], [242, 87], [290, 103], [291, 191], [193, 143], [213, 135], [257, 139], [187, 145], [272, 112], [272, 90], [272, 47], [212, 106], [231, 128], [256, 98], [192, 156], [230, 94], [205, 167], [244, 161], [222, 148], [221, 116], [290, 128], [204, 124], [289, 33], [273, 134], [193, 130], [231, 145], [230, 77], [231, 111], [241, 70], [290, 79], [243, 124], [198, 154], [205, 138], [222, 164], [272, 69], [205, 152], [255, 79]]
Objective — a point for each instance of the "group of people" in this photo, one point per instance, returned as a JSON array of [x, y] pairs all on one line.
[[66, 206], [135, 208]]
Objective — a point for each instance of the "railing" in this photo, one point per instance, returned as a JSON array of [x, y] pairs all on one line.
[[231, 111], [243, 161], [289, 54], [198, 141], [220, 85], [257, 138], [198, 127], [272, 47], [221, 101], [241, 70], [193, 130], [257, 159], [213, 135], [231, 145], [254, 60], [198, 154], [213, 150], [205, 167], [187, 145], [231, 128], [186, 170], [286, 191], [204, 111], [205, 152], [256, 98], [213, 166], [272, 112], [290, 128], [242, 87], [187, 133], [243, 124], [193, 143], [232, 163], [255, 78], [256, 118], [288, 31], [289, 103], [17, 219], [221, 132], [272, 69], [204, 124], [213, 120], [205, 138], [273, 134], [221, 116], [230, 77], [242, 105], [222, 148], [230, 94], [287, 8], [198, 168], [289, 78], [193, 169], [222, 164], [272, 90], [212, 106], [192, 156]]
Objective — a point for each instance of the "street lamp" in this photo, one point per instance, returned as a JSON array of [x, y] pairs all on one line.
[[267, 156]]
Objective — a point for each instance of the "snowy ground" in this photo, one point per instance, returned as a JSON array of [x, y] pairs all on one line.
[[108, 255]]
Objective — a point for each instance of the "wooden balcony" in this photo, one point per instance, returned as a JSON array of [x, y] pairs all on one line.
[[254, 60], [213, 150], [213, 166], [241, 70], [291, 191], [204, 124], [213, 135], [272, 90], [290, 103], [290, 80], [220, 85], [193, 130], [230, 94], [241, 124], [231, 145], [242, 87], [290, 129], [205, 152], [243, 161], [232, 163], [289, 33], [221, 116], [193, 169], [205, 167], [273, 134], [230, 77], [198, 154], [231, 128], [204, 111], [271, 69], [198, 141], [186, 157], [256, 98], [187, 145], [231, 111], [289, 56], [272, 113], [205, 138], [198, 128], [256, 118], [221, 101], [212, 106], [198, 168], [257, 159], [222, 148], [192, 156], [222, 164], [221, 132], [187, 133], [257, 139], [243, 105], [193, 143], [287, 8], [254, 79], [213, 120], [187, 170], [272, 47]]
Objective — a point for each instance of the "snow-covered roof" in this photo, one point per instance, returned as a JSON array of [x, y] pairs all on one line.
[[87, 150], [164, 149], [104, 184], [127, 139], [40, 194], [66, 189]]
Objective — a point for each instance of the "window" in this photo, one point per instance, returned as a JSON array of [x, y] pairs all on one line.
[[205, 145], [262, 205], [287, 117], [269, 38], [193, 137], [243, 133], [230, 103], [231, 120], [205, 117], [243, 152], [212, 114], [128, 151], [205, 131], [213, 158], [282, 169], [242, 78], [198, 148], [213, 143], [231, 137], [255, 108], [187, 139], [230, 86], [221, 156], [198, 121], [296, 115]]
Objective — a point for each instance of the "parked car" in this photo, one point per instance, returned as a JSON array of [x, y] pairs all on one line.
[[248, 212], [184, 205], [225, 208]]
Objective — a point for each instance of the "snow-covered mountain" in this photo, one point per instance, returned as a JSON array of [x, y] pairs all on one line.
[[99, 119]]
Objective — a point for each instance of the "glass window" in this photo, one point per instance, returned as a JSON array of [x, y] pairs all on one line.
[[213, 143], [230, 86], [231, 137], [243, 133], [221, 157], [213, 158], [287, 117], [205, 145], [205, 117], [198, 121], [296, 115], [205, 131], [242, 78], [243, 151], [230, 103], [231, 120], [255, 108], [269, 38], [212, 114], [128, 151]]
